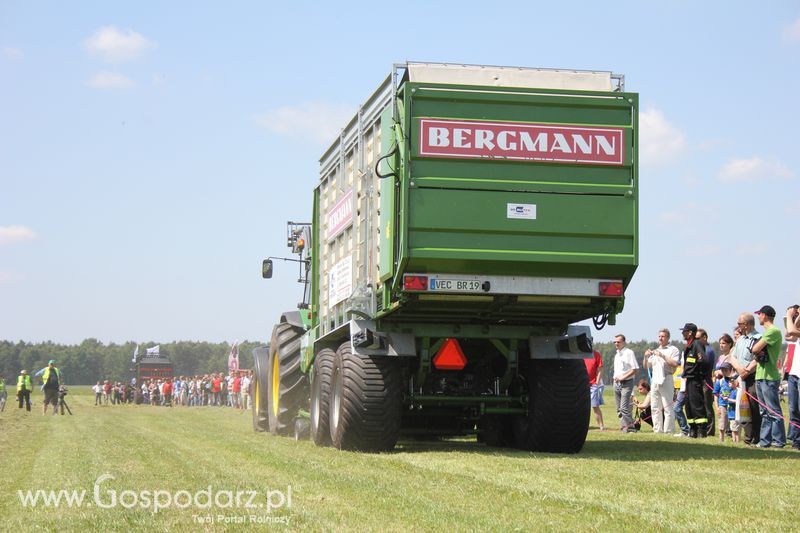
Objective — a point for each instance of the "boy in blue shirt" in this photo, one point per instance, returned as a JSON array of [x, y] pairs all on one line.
[[722, 392]]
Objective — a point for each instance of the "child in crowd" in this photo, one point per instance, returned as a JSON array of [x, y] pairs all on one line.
[[643, 409], [722, 392], [734, 383]]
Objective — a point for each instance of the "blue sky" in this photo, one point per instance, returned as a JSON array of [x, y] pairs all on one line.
[[151, 152]]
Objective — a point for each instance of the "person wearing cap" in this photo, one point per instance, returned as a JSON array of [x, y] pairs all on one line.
[[722, 392], [51, 381], [768, 379], [791, 371], [695, 370], [711, 357], [744, 363], [24, 388]]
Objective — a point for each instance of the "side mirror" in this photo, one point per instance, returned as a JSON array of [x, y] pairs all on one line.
[[266, 269]]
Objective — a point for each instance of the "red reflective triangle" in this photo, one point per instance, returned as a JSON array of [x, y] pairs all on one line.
[[450, 356]]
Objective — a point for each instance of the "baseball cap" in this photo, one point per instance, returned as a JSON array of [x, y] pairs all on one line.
[[725, 366], [689, 327], [767, 310], [51, 362]]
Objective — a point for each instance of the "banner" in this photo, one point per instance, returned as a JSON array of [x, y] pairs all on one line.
[[135, 354], [153, 350]]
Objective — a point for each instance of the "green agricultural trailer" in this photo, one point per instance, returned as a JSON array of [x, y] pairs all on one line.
[[464, 221]]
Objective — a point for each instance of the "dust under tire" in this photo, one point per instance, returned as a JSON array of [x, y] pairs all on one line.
[[558, 407], [287, 386], [366, 397], [258, 395], [320, 397]]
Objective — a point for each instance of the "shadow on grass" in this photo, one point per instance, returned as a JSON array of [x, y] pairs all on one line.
[[614, 449]]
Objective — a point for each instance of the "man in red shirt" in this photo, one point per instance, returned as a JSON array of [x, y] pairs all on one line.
[[216, 388], [237, 391], [593, 368]]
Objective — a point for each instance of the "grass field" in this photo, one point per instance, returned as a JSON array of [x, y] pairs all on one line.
[[618, 482]]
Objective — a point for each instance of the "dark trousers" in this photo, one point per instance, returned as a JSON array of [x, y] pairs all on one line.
[[752, 429], [24, 395], [696, 406], [708, 394]]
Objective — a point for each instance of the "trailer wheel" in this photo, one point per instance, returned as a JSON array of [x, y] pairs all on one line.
[[287, 386], [320, 397], [558, 407], [365, 401], [258, 395]]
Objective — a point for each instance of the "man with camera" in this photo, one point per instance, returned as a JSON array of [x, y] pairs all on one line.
[[51, 382], [768, 379], [792, 372], [745, 364]]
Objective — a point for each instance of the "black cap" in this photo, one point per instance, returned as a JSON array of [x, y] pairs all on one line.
[[725, 366], [767, 310], [689, 327]]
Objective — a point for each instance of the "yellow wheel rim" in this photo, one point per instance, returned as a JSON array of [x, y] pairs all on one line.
[[256, 403], [276, 383]]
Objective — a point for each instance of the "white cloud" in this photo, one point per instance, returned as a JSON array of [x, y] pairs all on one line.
[[659, 141], [10, 52], [15, 234], [319, 120], [792, 32], [109, 80], [8, 277], [753, 169], [116, 46], [755, 249]]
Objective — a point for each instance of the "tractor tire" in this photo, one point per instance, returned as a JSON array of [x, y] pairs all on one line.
[[365, 403], [496, 431], [287, 386], [320, 397], [558, 407], [258, 394]]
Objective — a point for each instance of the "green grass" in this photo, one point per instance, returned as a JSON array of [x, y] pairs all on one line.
[[618, 482]]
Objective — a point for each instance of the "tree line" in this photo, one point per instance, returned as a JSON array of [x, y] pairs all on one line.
[[92, 360]]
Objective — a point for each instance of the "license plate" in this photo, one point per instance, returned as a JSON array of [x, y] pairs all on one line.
[[454, 285]]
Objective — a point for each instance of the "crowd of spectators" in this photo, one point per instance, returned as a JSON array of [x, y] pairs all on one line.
[[707, 394], [216, 389]]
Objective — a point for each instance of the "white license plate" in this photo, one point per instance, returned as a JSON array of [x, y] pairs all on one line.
[[453, 285]]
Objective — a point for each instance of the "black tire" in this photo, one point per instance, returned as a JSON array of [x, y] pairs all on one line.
[[320, 397], [365, 402], [302, 429], [258, 393], [496, 430], [558, 407], [287, 386]]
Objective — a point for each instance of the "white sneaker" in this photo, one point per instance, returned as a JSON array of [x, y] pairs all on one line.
[[680, 435]]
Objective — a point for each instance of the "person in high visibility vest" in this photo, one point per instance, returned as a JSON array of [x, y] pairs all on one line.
[[24, 388], [51, 381]]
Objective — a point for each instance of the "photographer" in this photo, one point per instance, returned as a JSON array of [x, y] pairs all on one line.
[[745, 365], [768, 378], [792, 372], [51, 382]]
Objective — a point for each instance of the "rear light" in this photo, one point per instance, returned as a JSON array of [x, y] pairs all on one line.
[[611, 288], [450, 356], [415, 283]]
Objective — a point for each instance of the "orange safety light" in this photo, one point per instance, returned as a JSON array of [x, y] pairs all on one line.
[[450, 356], [301, 243], [611, 288]]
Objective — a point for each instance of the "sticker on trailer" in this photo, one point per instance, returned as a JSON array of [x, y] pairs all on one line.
[[522, 211], [340, 217], [340, 281], [453, 285]]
